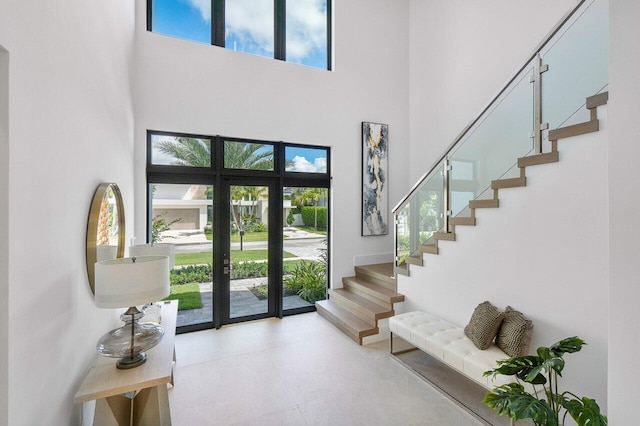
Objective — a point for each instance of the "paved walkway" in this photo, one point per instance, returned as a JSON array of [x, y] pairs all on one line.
[[243, 302]]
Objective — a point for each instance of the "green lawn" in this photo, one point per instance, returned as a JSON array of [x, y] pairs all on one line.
[[236, 256], [188, 296]]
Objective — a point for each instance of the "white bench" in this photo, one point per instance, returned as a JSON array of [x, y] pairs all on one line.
[[448, 343]]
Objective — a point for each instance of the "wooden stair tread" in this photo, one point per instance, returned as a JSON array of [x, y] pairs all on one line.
[[484, 204], [533, 160], [380, 271], [597, 100], [375, 290], [509, 183], [351, 325], [376, 311], [574, 130], [463, 220], [444, 236], [429, 248], [414, 259]]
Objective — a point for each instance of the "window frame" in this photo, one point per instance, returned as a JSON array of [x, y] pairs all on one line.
[[279, 28]]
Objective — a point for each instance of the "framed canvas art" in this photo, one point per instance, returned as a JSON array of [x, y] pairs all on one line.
[[375, 164]]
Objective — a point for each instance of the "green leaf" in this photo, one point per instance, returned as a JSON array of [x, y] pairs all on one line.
[[511, 400], [568, 345], [585, 411], [520, 367], [544, 352]]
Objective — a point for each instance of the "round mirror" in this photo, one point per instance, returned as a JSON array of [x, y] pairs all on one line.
[[105, 228]]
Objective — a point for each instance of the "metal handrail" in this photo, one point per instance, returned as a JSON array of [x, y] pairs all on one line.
[[484, 110]]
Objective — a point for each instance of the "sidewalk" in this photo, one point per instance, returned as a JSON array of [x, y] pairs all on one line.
[[192, 236]]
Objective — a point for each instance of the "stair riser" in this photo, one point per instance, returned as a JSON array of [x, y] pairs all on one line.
[[376, 277], [484, 204], [444, 236], [353, 335], [372, 295], [358, 310], [534, 160], [339, 324]]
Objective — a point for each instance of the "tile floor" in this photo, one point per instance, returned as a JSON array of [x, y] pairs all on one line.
[[298, 371]]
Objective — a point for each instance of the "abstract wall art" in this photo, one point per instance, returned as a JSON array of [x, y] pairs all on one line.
[[375, 164]]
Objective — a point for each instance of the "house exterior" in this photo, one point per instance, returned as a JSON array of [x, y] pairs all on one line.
[[82, 82]]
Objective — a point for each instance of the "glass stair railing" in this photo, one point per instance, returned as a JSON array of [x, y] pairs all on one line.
[[548, 92]]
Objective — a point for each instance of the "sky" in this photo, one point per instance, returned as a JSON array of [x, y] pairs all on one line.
[[249, 26]]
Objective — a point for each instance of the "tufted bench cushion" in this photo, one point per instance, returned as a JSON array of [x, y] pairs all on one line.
[[447, 342]]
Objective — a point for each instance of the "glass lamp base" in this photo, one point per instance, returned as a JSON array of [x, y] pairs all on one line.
[[131, 340], [131, 362]]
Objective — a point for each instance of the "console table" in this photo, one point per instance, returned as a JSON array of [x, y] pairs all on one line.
[[137, 396]]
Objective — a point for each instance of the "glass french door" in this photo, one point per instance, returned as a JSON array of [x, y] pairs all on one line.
[[248, 252]]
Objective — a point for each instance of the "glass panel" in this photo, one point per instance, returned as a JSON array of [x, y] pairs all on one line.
[[249, 284], [307, 32], [305, 246], [182, 216], [180, 151], [493, 145], [249, 26], [403, 234], [421, 216], [307, 160], [188, 19], [248, 156], [578, 65]]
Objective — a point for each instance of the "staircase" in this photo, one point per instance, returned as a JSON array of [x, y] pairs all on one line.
[[364, 299], [431, 245]]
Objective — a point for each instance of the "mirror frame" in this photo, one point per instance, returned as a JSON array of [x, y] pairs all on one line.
[[92, 228]]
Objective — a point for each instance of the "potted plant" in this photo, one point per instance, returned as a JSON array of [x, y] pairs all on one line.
[[542, 373]]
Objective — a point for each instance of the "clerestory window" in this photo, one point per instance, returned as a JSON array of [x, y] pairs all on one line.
[[297, 31]]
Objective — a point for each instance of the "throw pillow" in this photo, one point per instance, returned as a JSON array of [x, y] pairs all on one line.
[[514, 335], [484, 324]]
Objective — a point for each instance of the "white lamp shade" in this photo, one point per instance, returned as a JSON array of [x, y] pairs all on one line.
[[123, 282], [155, 249]]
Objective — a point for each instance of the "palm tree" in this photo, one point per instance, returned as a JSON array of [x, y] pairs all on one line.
[[187, 151], [197, 153]]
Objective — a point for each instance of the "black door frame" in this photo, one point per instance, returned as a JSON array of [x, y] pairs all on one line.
[[214, 175], [274, 247]]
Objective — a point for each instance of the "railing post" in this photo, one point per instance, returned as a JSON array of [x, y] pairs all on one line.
[[538, 125], [445, 191]]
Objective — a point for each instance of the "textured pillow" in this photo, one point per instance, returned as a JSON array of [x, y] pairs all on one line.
[[514, 335], [484, 324]]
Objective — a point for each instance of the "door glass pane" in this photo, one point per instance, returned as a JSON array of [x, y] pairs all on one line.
[[305, 246], [180, 151], [182, 216], [307, 32], [249, 281], [248, 156], [249, 26], [188, 19]]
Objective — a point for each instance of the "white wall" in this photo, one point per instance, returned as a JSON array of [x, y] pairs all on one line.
[[4, 234], [545, 250], [624, 205], [184, 86], [461, 54], [70, 128]]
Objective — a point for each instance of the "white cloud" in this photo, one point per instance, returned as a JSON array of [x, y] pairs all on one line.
[[251, 21], [203, 6], [301, 164], [306, 28]]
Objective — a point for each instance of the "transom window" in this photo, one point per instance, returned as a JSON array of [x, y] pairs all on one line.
[[297, 31]]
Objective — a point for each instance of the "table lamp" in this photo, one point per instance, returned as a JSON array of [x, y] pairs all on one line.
[[128, 282], [154, 249]]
